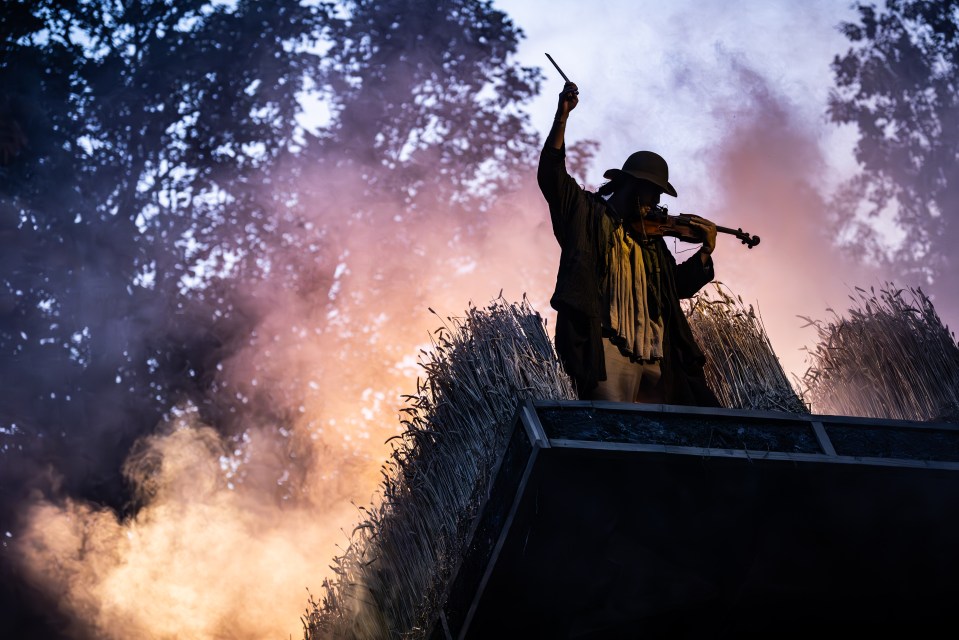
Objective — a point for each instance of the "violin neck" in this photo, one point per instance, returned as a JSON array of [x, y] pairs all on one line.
[[749, 241]]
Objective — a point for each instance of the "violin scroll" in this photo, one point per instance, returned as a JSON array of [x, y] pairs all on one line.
[[748, 240]]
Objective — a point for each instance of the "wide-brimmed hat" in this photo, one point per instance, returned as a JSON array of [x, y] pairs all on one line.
[[645, 165]]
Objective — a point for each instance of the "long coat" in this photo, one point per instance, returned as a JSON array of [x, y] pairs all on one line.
[[583, 224]]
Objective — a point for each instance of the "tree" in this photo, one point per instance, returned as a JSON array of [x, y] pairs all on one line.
[[155, 165], [899, 85], [137, 168], [433, 97]]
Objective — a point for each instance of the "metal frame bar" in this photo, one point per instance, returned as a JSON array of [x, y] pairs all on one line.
[[744, 413], [746, 454], [528, 419], [537, 435]]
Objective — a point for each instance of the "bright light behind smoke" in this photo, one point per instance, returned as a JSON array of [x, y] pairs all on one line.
[[199, 561], [204, 560]]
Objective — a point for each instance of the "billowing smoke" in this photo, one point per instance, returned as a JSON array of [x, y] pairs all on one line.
[[232, 530], [278, 384], [198, 560], [774, 183]]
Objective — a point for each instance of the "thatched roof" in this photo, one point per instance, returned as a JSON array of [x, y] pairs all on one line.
[[741, 367], [889, 357], [392, 577]]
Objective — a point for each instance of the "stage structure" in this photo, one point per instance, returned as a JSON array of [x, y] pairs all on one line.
[[609, 520]]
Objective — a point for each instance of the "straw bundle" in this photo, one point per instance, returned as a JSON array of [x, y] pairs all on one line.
[[391, 580], [891, 358], [741, 367]]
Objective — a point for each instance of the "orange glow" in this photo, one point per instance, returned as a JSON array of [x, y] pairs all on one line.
[[211, 556], [200, 561]]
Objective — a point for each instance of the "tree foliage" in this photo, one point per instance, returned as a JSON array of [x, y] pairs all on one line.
[[898, 84], [428, 93], [144, 137], [155, 161]]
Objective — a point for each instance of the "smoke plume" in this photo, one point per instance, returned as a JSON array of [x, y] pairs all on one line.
[[233, 526], [773, 181]]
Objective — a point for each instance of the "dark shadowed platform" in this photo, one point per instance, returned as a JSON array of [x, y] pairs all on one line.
[[608, 520]]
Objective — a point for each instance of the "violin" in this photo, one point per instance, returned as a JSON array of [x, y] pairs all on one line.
[[659, 223]]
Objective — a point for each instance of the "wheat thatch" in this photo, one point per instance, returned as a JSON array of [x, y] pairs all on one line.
[[741, 367], [391, 579], [892, 357]]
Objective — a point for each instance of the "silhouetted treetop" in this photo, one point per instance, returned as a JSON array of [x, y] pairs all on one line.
[[899, 85], [157, 157]]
